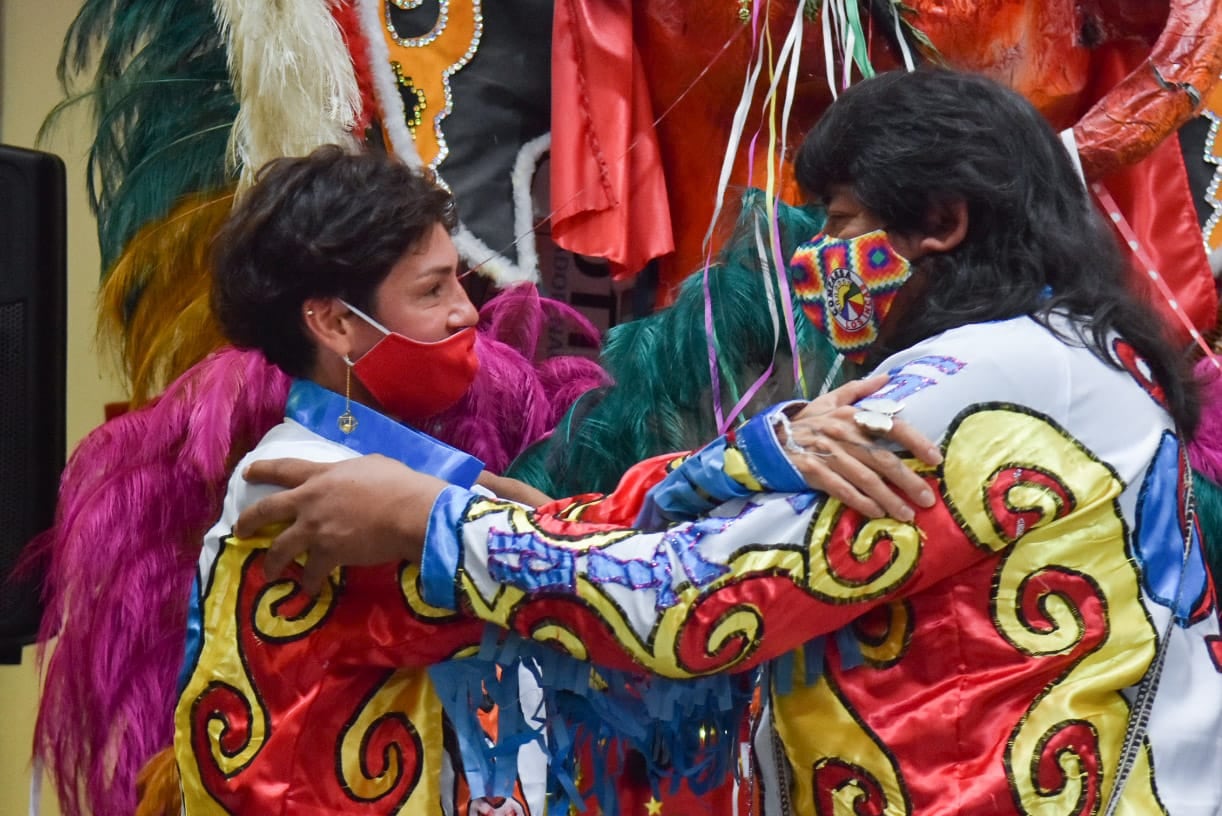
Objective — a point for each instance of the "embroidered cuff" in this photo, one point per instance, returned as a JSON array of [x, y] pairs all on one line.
[[758, 444], [442, 545], [693, 488]]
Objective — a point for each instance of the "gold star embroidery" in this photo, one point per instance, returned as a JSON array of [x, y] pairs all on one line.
[[653, 807]]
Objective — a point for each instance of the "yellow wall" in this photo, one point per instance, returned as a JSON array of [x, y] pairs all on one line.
[[31, 32]]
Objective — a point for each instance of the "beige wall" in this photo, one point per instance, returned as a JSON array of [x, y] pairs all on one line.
[[31, 32]]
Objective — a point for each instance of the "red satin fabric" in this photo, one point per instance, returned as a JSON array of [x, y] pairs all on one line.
[[309, 688], [897, 699], [617, 509], [1154, 198], [607, 186]]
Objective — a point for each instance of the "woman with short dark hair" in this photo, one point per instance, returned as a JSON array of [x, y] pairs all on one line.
[[339, 268]]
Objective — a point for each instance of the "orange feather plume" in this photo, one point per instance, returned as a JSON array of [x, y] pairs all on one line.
[[154, 304]]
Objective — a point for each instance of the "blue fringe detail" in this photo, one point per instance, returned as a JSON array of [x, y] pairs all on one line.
[[685, 730], [850, 649], [781, 673], [812, 660]]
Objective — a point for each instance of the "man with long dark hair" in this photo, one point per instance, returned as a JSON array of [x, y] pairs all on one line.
[[1044, 638]]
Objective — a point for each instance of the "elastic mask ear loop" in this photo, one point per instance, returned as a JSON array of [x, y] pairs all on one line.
[[365, 317]]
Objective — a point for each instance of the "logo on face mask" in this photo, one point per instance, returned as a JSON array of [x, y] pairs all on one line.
[[846, 287], [851, 305], [414, 381]]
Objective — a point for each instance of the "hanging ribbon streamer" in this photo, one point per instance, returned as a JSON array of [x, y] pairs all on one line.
[[1130, 236], [737, 126], [900, 38], [786, 65]]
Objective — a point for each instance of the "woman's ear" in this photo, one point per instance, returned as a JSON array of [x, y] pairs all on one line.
[[327, 324], [946, 227]]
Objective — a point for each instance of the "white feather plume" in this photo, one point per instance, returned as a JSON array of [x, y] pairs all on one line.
[[294, 79]]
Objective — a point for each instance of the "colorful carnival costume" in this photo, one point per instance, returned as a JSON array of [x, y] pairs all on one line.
[[368, 699], [301, 706], [987, 656], [269, 79]]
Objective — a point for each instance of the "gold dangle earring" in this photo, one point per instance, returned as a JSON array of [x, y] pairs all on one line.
[[347, 422]]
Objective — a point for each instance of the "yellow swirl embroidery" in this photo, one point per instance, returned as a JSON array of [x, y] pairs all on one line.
[[829, 583], [817, 727], [219, 667], [409, 584], [659, 650], [1084, 554], [890, 647], [406, 701], [562, 638], [270, 624], [744, 622]]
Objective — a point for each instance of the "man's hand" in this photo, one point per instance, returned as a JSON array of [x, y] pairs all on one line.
[[370, 510], [512, 489], [837, 457]]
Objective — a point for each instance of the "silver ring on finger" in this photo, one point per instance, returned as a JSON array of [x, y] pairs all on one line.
[[881, 405], [873, 422]]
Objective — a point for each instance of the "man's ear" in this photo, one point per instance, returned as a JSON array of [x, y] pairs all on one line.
[[327, 323], [946, 227]]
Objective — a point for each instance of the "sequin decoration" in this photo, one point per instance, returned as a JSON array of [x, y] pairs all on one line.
[[428, 61], [1213, 155], [414, 101]]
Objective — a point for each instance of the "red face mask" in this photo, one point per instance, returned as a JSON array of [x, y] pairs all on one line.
[[415, 381]]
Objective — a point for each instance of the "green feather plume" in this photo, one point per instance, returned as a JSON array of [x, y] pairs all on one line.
[[155, 76], [662, 397], [1209, 514]]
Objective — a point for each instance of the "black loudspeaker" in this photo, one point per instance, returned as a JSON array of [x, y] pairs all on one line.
[[33, 314]]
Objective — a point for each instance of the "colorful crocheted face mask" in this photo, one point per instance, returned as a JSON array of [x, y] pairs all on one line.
[[846, 287]]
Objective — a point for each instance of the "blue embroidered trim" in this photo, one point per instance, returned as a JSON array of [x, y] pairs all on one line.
[[318, 409], [442, 542], [1159, 537], [759, 446], [700, 483]]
